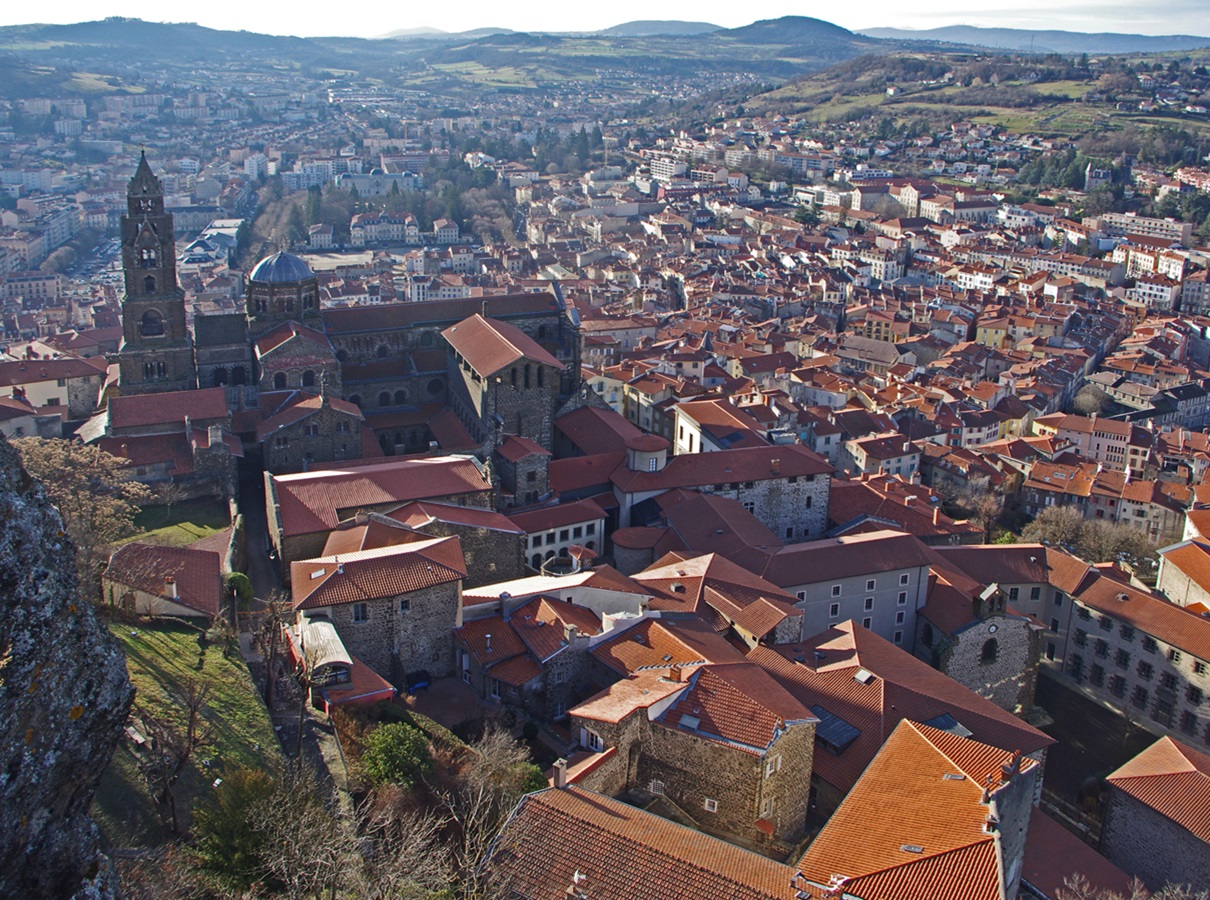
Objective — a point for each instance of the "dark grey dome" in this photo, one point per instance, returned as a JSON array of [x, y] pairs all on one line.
[[281, 268]]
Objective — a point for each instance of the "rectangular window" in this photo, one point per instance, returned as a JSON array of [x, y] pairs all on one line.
[[867, 622], [1126, 632], [1117, 685], [577, 532], [801, 595], [899, 618], [1035, 593], [898, 637], [1050, 650], [835, 590], [590, 528], [1121, 658], [593, 741], [1106, 623], [869, 603], [1139, 697], [902, 598], [1174, 655], [1080, 638], [564, 535], [1145, 670], [869, 585], [1013, 594], [1193, 695], [711, 805], [903, 579], [1096, 675], [1150, 645], [1083, 613], [404, 604], [1199, 667], [1054, 624], [653, 465], [1101, 649], [361, 612], [834, 611], [1188, 722]]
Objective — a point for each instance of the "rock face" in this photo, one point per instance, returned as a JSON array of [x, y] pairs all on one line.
[[64, 697]]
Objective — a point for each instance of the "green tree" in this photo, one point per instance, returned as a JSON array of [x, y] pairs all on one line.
[[226, 843], [396, 753], [237, 583]]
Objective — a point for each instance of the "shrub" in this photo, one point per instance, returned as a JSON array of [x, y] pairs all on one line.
[[395, 753], [238, 583], [226, 843]]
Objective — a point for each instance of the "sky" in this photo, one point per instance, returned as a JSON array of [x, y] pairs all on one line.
[[373, 18]]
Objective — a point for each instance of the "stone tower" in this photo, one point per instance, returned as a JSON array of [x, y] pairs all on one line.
[[156, 353]]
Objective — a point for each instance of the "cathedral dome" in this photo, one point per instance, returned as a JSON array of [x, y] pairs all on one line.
[[281, 268]]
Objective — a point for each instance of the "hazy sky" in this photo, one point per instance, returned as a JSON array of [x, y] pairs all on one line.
[[375, 17]]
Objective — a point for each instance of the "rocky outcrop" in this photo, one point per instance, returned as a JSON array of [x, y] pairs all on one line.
[[64, 698]]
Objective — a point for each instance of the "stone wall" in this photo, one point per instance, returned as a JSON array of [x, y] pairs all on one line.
[[1139, 840], [794, 511], [1005, 672]]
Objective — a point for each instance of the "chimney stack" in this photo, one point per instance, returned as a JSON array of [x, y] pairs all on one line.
[[170, 585], [675, 673], [488, 639], [560, 773]]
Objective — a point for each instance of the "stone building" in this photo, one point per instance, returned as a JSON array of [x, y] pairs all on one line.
[[523, 469], [394, 607], [533, 656], [303, 508], [157, 351], [302, 429], [493, 547], [663, 727], [281, 288], [968, 631], [294, 357], [1155, 823], [501, 382], [552, 531], [224, 353]]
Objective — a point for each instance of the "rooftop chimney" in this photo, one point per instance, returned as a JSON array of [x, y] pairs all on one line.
[[560, 773], [170, 586], [488, 640], [675, 673]]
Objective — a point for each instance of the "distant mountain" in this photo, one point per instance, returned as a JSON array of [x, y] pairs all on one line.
[[1044, 41], [790, 30], [653, 27], [422, 31]]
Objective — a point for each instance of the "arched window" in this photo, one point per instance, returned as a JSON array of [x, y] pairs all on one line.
[[401, 397], [148, 371], [152, 324], [527, 371], [540, 376], [537, 561], [220, 376], [239, 375], [355, 399], [991, 652], [383, 350], [436, 386], [342, 355], [148, 258], [149, 284], [384, 399], [308, 379], [161, 370], [279, 381]]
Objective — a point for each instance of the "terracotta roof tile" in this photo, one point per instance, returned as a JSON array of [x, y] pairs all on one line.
[[197, 573], [490, 345], [315, 501], [558, 838], [377, 573], [904, 801], [171, 406], [1174, 780], [1053, 854]]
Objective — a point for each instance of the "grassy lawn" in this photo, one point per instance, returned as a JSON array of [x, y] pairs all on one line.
[[191, 520], [162, 658]]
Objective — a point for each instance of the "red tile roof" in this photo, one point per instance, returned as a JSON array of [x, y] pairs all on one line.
[[425, 512], [490, 345], [907, 830], [594, 430], [315, 501], [197, 573], [725, 466], [288, 331], [1053, 854], [559, 839], [1174, 780], [843, 557], [549, 517], [375, 574], [821, 672], [655, 644], [168, 407]]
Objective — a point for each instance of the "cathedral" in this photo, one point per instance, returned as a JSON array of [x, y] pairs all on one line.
[[306, 385]]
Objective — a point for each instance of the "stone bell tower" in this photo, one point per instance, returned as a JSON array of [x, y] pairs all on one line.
[[156, 353]]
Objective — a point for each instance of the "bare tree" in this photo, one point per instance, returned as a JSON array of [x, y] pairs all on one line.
[[1078, 887], [310, 851], [170, 748], [1091, 400], [170, 494], [494, 778], [271, 641], [403, 856]]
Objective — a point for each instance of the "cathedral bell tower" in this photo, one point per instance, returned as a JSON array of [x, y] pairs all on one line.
[[156, 353]]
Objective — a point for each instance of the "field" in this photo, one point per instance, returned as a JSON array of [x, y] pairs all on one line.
[[162, 658], [191, 520]]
